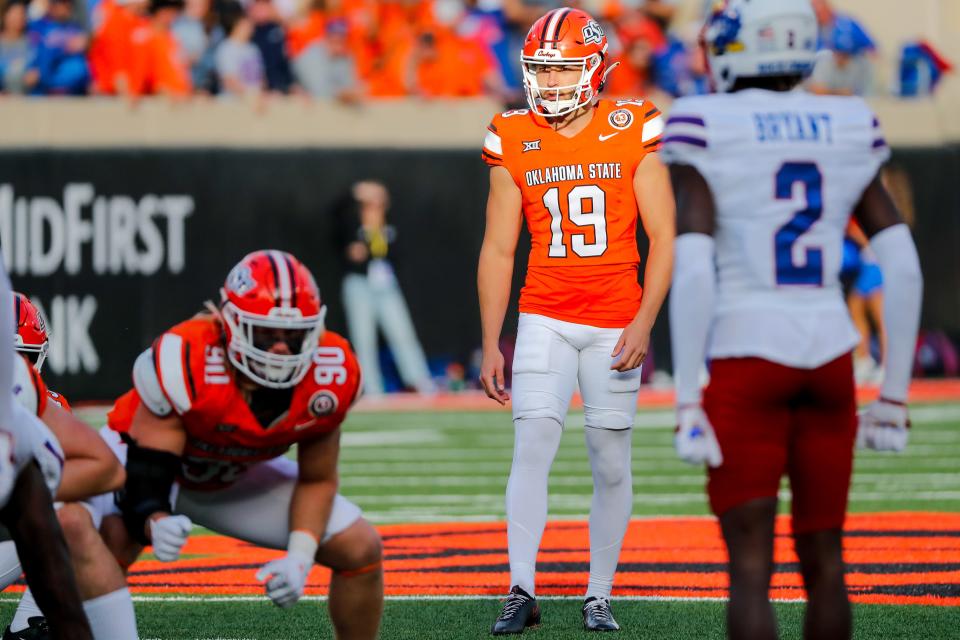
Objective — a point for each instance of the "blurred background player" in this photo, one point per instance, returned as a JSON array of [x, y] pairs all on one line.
[[89, 469], [30, 467], [372, 298], [583, 318], [758, 275], [216, 402]]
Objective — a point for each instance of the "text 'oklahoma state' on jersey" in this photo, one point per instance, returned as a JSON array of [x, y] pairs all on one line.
[[580, 208], [187, 373]]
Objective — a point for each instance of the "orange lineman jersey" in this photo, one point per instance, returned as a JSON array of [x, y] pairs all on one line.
[[580, 208], [29, 388], [58, 399], [224, 436]]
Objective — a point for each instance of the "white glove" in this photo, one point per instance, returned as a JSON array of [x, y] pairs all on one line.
[[168, 535], [286, 578], [883, 426], [8, 470], [694, 439]]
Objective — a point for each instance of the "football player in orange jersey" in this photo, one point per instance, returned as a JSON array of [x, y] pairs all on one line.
[[217, 401], [89, 468], [580, 170]]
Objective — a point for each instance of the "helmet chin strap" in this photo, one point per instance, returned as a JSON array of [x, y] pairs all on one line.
[[606, 74]]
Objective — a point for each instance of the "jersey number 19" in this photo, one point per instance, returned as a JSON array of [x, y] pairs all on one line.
[[594, 214]]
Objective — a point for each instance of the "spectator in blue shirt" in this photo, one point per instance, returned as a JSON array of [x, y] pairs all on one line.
[[271, 39], [60, 62], [843, 66]]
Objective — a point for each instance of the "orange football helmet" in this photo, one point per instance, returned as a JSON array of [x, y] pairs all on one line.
[[270, 297], [32, 338], [565, 37]]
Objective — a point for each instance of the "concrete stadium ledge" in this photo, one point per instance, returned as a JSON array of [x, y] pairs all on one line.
[[87, 123]]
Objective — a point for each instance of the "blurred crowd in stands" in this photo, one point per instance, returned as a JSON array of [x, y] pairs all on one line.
[[354, 50]]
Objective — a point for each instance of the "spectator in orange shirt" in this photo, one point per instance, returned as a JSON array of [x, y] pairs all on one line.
[[114, 22], [445, 65], [158, 65], [634, 77]]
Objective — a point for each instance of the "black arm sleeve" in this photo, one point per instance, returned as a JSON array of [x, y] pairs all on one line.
[[150, 475]]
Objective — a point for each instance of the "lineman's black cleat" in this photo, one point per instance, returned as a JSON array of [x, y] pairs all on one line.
[[520, 611], [36, 629], [597, 615]]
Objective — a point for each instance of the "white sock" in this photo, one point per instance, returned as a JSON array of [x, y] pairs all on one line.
[[111, 616], [536, 441], [612, 503], [26, 609], [9, 564]]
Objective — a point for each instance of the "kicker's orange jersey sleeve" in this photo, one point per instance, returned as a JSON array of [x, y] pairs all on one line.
[[580, 208], [224, 436]]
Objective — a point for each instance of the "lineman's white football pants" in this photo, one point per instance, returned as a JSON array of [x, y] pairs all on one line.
[[256, 508]]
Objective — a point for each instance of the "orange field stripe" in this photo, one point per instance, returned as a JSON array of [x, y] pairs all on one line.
[[893, 558]]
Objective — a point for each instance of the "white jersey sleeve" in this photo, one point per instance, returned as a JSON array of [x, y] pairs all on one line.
[[786, 171]]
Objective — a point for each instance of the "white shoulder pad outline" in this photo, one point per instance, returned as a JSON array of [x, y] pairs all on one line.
[[148, 385], [170, 376]]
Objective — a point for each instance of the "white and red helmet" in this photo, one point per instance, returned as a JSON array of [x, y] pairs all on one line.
[[268, 297], [32, 338], [565, 37]]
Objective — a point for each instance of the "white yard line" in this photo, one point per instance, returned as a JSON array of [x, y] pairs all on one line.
[[454, 598]]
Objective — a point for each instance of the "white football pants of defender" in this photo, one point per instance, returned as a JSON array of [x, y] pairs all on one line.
[[264, 490], [551, 357]]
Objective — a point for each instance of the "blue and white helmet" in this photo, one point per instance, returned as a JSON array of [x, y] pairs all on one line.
[[757, 38]]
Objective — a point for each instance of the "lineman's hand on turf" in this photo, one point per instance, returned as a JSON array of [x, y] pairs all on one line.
[[694, 440], [631, 348], [884, 426], [168, 535], [286, 578], [491, 375]]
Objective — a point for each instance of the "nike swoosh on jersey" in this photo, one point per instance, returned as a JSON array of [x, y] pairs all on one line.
[[604, 138], [304, 425]]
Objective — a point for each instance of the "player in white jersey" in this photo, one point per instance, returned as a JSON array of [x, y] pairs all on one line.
[[26, 484], [766, 180]]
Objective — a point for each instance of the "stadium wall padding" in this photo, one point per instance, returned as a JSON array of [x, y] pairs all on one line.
[[118, 245]]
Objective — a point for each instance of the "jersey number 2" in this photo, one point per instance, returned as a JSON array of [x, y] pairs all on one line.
[[595, 217], [810, 271]]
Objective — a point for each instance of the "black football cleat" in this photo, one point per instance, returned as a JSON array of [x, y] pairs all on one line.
[[597, 615], [519, 612], [36, 629]]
